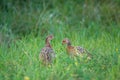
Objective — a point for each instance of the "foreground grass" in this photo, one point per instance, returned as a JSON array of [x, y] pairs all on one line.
[[21, 59], [91, 24]]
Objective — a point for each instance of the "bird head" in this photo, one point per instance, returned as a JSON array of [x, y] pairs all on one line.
[[49, 38], [66, 41]]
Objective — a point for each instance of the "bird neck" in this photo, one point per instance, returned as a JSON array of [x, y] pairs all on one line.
[[70, 47], [47, 43], [68, 44]]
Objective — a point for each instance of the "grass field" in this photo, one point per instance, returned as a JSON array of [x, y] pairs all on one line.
[[21, 59], [24, 29]]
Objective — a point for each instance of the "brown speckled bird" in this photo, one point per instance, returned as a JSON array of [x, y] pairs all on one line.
[[75, 50], [47, 54]]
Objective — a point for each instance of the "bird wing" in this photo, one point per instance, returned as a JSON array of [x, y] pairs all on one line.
[[81, 50], [46, 54]]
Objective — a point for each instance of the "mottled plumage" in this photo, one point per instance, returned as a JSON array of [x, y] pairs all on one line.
[[47, 54], [74, 50]]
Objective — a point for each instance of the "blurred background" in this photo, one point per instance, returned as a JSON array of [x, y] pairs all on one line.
[[19, 18], [92, 24]]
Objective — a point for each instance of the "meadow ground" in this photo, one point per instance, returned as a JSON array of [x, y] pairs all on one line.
[[21, 59], [93, 25]]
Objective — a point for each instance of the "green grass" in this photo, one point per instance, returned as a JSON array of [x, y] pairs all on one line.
[[94, 25], [21, 59]]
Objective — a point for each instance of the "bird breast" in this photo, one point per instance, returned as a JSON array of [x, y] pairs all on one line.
[[47, 54]]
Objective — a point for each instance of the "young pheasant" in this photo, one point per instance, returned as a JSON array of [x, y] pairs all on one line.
[[47, 54], [75, 50]]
